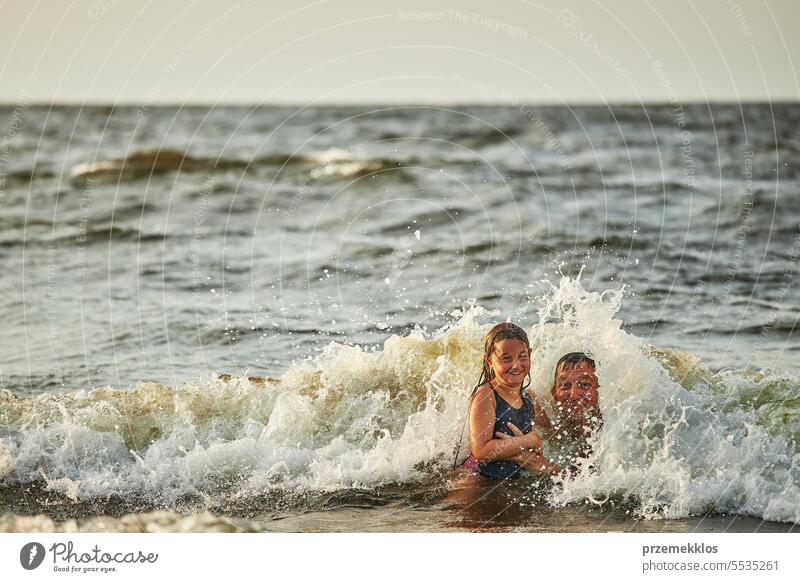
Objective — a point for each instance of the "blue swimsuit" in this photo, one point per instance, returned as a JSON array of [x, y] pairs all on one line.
[[522, 418]]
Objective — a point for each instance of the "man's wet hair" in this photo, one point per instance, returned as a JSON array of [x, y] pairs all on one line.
[[573, 359]]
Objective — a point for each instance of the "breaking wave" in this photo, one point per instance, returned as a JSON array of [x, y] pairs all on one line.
[[678, 439]]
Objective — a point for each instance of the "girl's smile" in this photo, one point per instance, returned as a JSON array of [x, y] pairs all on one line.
[[510, 362]]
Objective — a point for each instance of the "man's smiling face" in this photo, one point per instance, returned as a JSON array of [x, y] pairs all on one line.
[[576, 390]]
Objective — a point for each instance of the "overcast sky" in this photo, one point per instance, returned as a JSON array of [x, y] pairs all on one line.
[[432, 51]]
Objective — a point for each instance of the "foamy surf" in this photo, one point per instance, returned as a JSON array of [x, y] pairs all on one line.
[[678, 439], [150, 522]]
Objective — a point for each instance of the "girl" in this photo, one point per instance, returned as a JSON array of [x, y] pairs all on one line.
[[501, 413]]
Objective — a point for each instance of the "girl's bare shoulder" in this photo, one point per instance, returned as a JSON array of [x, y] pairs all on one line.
[[482, 403], [483, 396], [483, 391]]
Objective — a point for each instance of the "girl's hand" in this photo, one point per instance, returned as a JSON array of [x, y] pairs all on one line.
[[542, 420], [483, 444], [526, 441], [537, 463]]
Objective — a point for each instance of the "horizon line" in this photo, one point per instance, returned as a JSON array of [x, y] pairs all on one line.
[[410, 103]]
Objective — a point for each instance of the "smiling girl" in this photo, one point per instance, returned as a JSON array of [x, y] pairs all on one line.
[[501, 414]]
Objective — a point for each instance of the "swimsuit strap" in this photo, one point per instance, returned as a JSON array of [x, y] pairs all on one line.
[[526, 399]]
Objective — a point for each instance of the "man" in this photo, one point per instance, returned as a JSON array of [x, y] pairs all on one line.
[[577, 416], [575, 396]]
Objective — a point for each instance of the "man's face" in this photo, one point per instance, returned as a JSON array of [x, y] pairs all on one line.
[[575, 390]]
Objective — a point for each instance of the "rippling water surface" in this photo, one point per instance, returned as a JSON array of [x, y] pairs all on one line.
[[353, 257]]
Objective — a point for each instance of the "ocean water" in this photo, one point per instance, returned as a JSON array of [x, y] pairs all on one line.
[[257, 319]]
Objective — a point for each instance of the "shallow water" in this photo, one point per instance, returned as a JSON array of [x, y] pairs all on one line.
[[356, 256], [363, 511]]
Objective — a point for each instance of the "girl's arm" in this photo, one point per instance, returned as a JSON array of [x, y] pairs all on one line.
[[533, 459], [482, 442]]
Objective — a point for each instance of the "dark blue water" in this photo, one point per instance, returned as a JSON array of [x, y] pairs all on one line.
[[264, 233]]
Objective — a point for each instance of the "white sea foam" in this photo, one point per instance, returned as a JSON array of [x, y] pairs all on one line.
[[677, 440], [153, 522]]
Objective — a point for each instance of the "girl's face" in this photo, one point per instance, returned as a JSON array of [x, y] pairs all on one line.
[[511, 362]]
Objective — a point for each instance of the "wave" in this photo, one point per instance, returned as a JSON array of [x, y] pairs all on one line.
[[26, 175], [764, 209], [104, 233], [678, 439], [143, 163]]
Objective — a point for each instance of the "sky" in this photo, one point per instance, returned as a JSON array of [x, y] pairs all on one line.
[[465, 51]]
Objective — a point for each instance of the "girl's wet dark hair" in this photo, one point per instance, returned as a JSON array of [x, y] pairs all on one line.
[[573, 359], [500, 332]]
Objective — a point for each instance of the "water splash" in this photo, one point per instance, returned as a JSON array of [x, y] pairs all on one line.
[[678, 439]]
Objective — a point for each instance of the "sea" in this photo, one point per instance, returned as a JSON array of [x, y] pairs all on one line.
[[270, 318]]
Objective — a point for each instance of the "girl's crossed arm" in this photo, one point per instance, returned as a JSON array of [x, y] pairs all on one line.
[[484, 444], [533, 459]]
